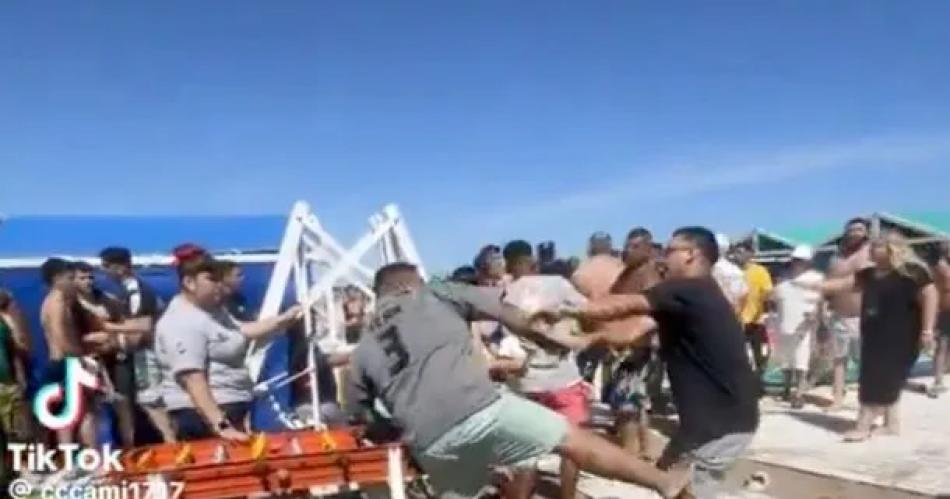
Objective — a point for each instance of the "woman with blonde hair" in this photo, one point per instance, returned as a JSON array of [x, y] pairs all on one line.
[[898, 315]]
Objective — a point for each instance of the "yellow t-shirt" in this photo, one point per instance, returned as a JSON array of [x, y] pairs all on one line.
[[760, 285]]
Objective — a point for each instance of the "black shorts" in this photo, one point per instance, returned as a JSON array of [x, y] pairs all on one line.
[[190, 425], [122, 374]]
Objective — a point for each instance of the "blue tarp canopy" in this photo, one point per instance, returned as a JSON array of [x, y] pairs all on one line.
[[37, 237], [40, 236]]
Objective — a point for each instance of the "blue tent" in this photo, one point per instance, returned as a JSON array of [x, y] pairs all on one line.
[[26, 239]]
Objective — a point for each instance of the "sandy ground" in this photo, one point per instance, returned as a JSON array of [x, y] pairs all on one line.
[[804, 456]]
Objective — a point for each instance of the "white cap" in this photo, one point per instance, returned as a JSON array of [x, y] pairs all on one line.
[[802, 252], [722, 240]]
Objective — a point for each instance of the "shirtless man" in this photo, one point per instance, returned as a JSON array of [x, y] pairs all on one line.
[[593, 278], [96, 312], [943, 320], [628, 391], [844, 321], [62, 337]]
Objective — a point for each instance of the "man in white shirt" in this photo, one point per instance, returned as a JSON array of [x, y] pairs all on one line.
[[730, 277], [796, 320]]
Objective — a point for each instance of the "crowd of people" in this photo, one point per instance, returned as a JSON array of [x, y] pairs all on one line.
[[487, 371], [699, 311]]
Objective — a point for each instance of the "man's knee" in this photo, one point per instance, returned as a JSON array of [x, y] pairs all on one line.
[[579, 445]]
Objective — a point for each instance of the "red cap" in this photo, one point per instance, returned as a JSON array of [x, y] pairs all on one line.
[[186, 251]]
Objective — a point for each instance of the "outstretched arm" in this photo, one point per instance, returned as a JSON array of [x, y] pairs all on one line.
[[521, 325], [632, 333], [265, 327], [612, 307]]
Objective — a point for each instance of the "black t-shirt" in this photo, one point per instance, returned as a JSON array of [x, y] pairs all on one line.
[[704, 348], [238, 308]]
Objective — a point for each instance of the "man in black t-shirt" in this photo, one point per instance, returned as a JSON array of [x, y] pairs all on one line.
[[142, 308], [703, 346]]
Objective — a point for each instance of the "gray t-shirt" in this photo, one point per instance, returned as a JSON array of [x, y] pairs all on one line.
[[189, 338], [417, 356], [548, 368]]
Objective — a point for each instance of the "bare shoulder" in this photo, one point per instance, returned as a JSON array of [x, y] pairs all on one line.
[[53, 303]]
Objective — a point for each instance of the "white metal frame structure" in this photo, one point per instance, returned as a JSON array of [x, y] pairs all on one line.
[[315, 263]]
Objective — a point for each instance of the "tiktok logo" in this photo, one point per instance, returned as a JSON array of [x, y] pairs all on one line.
[[71, 394]]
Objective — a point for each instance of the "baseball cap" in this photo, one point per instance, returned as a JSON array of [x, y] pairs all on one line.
[[802, 252]]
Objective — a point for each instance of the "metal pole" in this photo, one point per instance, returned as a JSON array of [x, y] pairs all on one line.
[[301, 283]]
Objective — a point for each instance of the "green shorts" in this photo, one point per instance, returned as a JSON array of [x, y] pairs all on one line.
[[507, 432], [13, 413]]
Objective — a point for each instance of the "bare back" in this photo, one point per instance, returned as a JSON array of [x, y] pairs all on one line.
[[848, 303], [59, 326], [943, 283]]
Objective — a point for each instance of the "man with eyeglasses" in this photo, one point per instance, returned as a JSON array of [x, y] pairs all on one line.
[[703, 345]]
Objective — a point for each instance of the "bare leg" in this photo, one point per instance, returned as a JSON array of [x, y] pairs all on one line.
[[837, 387], [629, 432], [862, 430], [569, 475], [87, 429], [892, 419], [126, 422], [596, 455], [162, 422], [521, 485], [940, 366], [649, 447], [800, 381]]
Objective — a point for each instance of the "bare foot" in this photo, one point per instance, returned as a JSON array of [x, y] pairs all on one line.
[[857, 435], [678, 477]]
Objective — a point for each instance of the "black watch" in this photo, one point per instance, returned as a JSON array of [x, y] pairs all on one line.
[[224, 424]]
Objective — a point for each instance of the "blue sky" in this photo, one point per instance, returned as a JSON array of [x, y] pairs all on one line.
[[483, 120]]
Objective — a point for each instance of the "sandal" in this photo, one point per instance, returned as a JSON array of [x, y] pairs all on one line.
[[857, 435]]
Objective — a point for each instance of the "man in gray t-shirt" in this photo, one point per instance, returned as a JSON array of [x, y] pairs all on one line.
[[418, 358], [188, 338]]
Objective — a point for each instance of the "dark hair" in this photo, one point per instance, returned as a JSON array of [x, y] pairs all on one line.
[[390, 276], [517, 249], [226, 266], [703, 239], [5, 299], [859, 220], [746, 245], [83, 267], [639, 232], [465, 274], [547, 251], [53, 268], [481, 259], [200, 264], [115, 255]]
